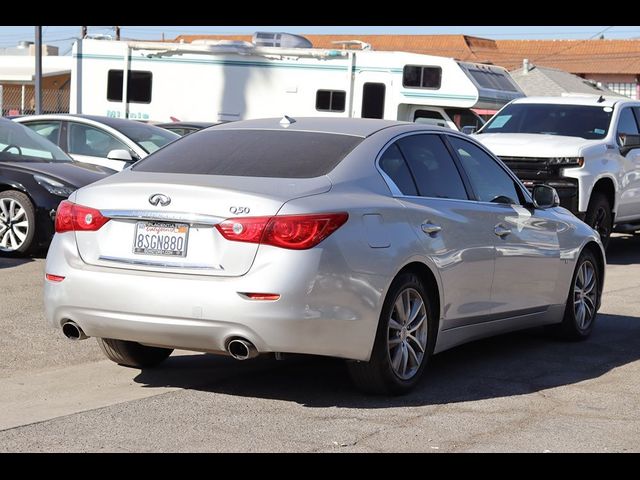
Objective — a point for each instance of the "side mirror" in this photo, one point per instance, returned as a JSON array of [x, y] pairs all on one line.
[[628, 142], [545, 196], [120, 154], [469, 129]]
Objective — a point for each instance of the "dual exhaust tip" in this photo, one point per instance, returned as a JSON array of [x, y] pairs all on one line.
[[238, 348]]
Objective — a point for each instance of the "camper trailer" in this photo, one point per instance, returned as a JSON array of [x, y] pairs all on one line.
[[275, 76]]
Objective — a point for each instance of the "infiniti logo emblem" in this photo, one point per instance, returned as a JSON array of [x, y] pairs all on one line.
[[159, 199]]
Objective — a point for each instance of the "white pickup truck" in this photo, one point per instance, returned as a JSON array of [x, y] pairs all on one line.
[[587, 148]]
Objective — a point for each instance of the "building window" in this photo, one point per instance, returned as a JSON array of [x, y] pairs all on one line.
[[331, 100], [628, 89], [138, 86], [416, 76]]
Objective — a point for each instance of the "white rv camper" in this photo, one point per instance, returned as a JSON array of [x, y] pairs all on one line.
[[227, 81]]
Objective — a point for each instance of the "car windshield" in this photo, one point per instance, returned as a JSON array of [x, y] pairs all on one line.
[[149, 137], [20, 144], [584, 121]]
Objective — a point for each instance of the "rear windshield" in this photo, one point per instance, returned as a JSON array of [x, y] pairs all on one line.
[[252, 153]]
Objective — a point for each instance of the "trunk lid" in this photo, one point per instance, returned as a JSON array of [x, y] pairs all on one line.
[[197, 204]]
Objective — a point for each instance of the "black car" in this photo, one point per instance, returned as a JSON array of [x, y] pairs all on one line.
[[185, 128], [35, 176]]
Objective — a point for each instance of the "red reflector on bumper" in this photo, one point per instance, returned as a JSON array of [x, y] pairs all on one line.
[[261, 296], [53, 278]]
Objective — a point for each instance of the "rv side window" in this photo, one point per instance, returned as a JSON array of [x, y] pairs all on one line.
[[138, 86], [416, 76], [430, 117], [330, 100]]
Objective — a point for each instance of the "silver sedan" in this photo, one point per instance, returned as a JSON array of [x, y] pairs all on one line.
[[375, 241]]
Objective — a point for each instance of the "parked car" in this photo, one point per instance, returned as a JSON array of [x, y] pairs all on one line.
[[35, 175], [112, 142], [185, 128], [376, 241], [587, 147]]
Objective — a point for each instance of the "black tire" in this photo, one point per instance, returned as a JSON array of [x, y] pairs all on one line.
[[132, 354], [378, 374], [572, 326], [600, 217], [29, 213]]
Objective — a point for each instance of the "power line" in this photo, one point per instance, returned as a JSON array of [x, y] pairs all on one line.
[[573, 46]]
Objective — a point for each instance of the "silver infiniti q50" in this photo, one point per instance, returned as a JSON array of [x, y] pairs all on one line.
[[378, 242]]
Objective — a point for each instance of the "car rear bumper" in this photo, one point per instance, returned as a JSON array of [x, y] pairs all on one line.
[[318, 313]]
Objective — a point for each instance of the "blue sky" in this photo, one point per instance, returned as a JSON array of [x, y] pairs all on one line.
[[62, 36]]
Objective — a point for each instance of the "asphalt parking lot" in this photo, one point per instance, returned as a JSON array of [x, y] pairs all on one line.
[[521, 392]]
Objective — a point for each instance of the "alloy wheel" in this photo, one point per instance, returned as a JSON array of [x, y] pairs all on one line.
[[407, 333], [14, 225], [585, 293]]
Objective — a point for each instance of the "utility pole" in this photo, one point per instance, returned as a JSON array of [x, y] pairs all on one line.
[[117, 33], [38, 86]]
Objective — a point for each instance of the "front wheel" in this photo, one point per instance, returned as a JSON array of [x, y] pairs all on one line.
[[405, 339], [583, 299], [17, 223], [133, 354]]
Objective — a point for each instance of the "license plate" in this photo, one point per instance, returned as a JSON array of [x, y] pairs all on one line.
[[159, 238]]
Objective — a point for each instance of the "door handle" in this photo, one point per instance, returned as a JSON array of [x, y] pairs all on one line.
[[429, 228], [501, 231]]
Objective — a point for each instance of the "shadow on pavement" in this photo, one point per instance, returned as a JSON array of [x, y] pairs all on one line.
[[624, 250], [6, 262], [513, 364]]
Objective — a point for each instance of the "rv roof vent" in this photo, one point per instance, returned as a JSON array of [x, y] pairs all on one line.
[[280, 39], [232, 43]]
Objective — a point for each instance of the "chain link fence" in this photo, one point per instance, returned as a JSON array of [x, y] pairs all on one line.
[[20, 100]]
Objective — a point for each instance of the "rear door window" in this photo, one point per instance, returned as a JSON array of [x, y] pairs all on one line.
[[432, 167], [49, 130]]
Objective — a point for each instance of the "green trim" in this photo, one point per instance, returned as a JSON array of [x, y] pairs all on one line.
[[439, 95], [230, 63]]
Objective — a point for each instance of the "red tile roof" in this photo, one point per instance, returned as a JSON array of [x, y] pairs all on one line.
[[575, 56]]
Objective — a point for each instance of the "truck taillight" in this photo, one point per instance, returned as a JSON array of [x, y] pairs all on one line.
[[294, 232], [72, 217]]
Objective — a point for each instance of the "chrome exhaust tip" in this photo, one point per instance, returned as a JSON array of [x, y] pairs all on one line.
[[73, 331], [241, 349]]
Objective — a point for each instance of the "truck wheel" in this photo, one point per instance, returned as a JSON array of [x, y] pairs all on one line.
[[132, 354], [600, 217]]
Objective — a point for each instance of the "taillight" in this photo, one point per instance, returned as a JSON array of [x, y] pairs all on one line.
[[295, 232], [72, 217]]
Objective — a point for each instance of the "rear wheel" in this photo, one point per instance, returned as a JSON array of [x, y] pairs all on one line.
[[133, 354], [17, 223], [404, 340], [580, 311], [600, 217]]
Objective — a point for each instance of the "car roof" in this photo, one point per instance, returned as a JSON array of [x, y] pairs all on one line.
[[588, 100], [187, 124], [359, 127], [109, 121]]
